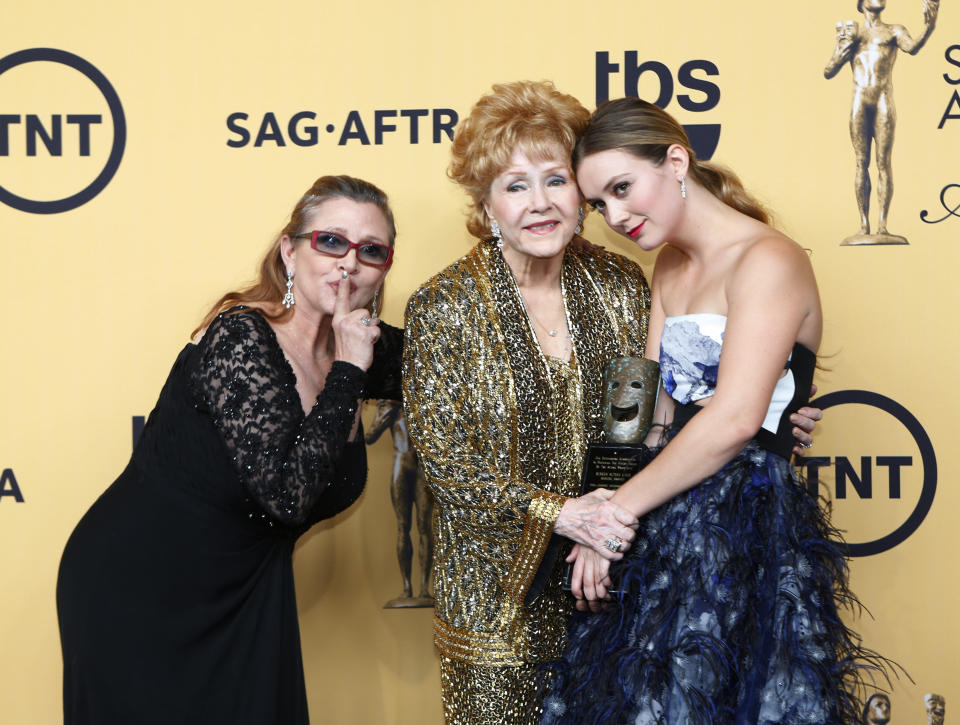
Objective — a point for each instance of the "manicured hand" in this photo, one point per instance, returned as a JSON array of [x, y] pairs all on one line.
[[805, 420], [355, 331], [595, 521]]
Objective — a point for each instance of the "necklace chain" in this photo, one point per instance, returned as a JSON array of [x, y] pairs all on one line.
[[553, 333]]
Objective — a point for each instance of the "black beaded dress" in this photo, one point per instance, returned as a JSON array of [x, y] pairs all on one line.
[[175, 593]]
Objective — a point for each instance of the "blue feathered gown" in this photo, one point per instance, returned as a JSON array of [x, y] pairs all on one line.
[[729, 605]]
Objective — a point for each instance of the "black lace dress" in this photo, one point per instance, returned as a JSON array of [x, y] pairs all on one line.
[[175, 594]]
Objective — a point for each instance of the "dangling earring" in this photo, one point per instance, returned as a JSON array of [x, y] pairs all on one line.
[[375, 303], [683, 187], [579, 222], [495, 232], [288, 300]]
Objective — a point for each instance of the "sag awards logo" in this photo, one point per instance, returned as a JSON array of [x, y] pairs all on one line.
[[62, 131], [882, 482], [950, 194], [689, 85]]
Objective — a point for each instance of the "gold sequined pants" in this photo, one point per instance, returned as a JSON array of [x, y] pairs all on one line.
[[489, 694]]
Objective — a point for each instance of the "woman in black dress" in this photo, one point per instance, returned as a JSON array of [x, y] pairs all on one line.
[[175, 594]]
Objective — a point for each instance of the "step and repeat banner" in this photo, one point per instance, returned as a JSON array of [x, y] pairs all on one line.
[[148, 155]]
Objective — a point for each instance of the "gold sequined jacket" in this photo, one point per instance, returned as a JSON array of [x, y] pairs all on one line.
[[478, 399]]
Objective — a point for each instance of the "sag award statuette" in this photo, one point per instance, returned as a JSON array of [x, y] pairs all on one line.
[[631, 385], [409, 492], [871, 49]]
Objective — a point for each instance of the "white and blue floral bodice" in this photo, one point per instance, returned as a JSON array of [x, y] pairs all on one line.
[[690, 357]]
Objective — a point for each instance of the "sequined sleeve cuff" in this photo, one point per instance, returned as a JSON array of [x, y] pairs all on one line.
[[345, 379], [542, 515]]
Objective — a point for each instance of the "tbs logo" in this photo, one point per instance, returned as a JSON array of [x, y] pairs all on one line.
[[653, 81], [62, 131]]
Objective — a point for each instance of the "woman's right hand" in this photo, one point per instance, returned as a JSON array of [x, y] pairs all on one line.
[[593, 520], [354, 338]]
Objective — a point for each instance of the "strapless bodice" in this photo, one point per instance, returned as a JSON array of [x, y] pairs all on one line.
[[690, 349]]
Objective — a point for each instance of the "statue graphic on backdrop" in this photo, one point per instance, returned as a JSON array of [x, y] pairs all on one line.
[[408, 490], [871, 49], [876, 710], [936, 708]]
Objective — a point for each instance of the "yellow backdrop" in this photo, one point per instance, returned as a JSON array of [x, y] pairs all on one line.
[[98, 298]]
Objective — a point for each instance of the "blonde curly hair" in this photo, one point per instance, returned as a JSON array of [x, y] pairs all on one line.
[[530, 115]]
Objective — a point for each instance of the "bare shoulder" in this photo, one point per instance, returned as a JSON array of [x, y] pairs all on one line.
[[772, 258], [770, 247]]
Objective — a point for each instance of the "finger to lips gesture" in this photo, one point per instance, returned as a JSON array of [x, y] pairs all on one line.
[[355, 331]]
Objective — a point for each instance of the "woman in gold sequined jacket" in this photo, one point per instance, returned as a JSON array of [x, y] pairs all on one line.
[[502, 374]]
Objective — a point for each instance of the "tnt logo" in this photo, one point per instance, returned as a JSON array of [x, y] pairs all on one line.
[[881, 474], [62, 131]]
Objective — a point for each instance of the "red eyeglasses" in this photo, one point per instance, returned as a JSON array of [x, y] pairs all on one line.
[[334, 245]]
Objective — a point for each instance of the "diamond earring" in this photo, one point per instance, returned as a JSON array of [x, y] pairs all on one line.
[[288, 300], [495, 231]]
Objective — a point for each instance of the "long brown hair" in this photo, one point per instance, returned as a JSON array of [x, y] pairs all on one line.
[[646, 131], [267, 292]]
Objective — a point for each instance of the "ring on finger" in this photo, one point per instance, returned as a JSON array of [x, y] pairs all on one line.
[[365, 321], [614, 544], [806, 445]]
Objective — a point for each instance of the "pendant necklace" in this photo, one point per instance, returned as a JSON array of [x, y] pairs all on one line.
[[553, 333]]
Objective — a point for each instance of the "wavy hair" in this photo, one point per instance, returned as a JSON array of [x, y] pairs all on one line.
[[529, 115], [647, 131], [267, 291]]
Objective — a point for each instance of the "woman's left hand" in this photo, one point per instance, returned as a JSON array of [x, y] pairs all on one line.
[[590, 580], [804, 421]]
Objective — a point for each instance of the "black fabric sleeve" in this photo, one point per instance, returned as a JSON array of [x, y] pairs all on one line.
[[383, 377], [246, 385]]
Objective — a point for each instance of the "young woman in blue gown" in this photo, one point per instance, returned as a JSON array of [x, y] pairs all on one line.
[[727, 606]]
